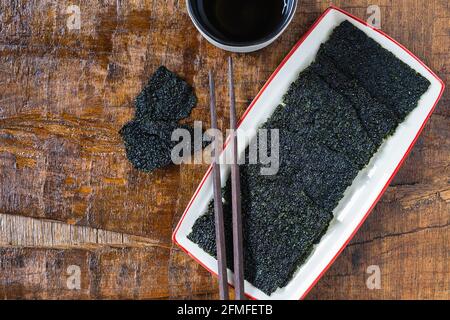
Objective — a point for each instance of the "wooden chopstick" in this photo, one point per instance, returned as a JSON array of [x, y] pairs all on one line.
[[218, 207], [236, 195]]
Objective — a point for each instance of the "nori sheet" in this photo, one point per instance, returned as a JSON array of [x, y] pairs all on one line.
[[280, 225], [146, 151], [385, 77], [165, 97], [323, 173], [164, 101], [378, 120], [323, 115]]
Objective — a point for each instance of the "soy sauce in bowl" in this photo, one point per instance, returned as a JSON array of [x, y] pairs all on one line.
[[239, 23]]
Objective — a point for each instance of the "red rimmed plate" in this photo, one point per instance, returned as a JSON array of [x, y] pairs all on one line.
[[367, 188]]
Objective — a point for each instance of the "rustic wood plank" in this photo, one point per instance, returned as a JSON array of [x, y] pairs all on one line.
[[105, 273], [30, 232]]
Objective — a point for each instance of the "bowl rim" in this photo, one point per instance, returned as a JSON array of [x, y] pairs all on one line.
[[229, 45]]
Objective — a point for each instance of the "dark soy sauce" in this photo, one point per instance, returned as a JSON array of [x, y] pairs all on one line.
[[242, 21]]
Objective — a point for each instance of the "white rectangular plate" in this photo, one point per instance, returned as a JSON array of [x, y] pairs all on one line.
[[367, 188]]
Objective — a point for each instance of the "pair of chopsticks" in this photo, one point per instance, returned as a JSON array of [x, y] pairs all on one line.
[[238, 254]]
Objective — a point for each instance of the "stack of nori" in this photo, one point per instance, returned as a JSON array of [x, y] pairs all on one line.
[[323, 173], [386, 78], [326, 117], [277, 234], [164, 101], [378, 120], [334, 118]]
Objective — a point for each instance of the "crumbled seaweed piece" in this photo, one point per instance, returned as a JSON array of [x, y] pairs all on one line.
[[165, 129], [162, 129], [323, 115], [165, 97], [384, 76], [144, 150], [151, 141], [164, 101], [378, 120]]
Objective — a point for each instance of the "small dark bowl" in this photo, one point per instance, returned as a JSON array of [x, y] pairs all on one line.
[[236, 46]]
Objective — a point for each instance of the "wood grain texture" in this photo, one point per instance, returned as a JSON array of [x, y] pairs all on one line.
[[64, 94], [105, 273], [21, 231]]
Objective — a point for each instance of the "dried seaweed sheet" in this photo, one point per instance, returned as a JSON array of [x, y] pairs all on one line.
[[144, 150], [323, 173], [280, 225], [164, 101], [165, 97], [323, 115], [162, 129], [385, 77], [378, 120]]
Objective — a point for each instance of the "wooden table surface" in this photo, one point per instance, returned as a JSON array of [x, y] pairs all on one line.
[[69, 199]]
